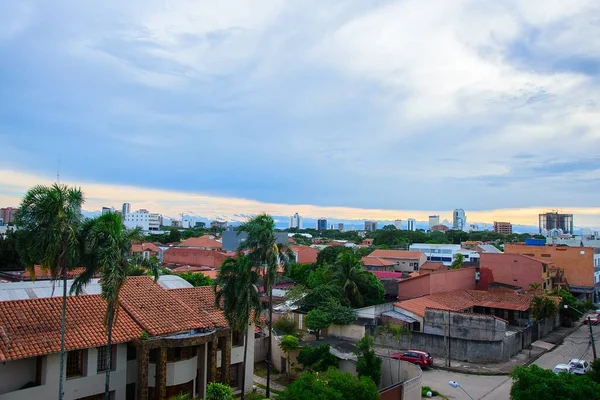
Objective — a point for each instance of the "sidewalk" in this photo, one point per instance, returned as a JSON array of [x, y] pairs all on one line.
[[274, 385], [525, 357]]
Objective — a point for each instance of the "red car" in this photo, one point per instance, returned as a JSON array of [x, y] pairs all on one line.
[[421, 358], [594, 318]]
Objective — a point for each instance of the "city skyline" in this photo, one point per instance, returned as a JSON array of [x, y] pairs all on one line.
[[495, 98]]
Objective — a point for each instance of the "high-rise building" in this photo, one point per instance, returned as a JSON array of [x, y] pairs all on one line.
[[296, 221], [322, 224], [340, 226], [370, 226], [434, 220], [459, 220], [503, 227], [398, 224], [7, 215], [126, 209], [144, 219], [107, 210], [554, 220], [411, 224]]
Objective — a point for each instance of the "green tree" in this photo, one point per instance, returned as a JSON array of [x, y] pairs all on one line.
[[535, 383], [387, 333], [543, 307], [286, 326], [181, 396], [218, 391], [268, 255], [372, 290], [9, 256], [288, 344], [329, 255], [318, 277], [105, 245], [174, 236], [317, 358], [348, 273], [594, 372], [50, 217], [321, 296], [368, 364], [340, 315], [196, 279], [459, 259], [331, 385], [236, 292], [318, 319], [299, 273]]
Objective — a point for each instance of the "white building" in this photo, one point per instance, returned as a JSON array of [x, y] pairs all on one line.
[[143, 219], [445, 253], [459, 220], [411, 224], [398, 224], [434, 220], [126, 209], [296, 221]]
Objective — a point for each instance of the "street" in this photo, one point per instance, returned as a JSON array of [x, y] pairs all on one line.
[[575, 345]]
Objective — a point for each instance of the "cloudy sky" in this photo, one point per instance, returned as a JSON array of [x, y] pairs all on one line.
[[389, 109]]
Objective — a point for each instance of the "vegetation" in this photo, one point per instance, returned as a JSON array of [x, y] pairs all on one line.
[[368, 364], [458, 261], [331, 385], [196, 279], [388, 333], [181, 396], [9, 256], [575, 307], [543, 307], [50, 218], [218, 391], [288, 344], [317, 358], [594, 372], [286, 326], [317, 320], [236, 293], [426, 389], [535, 383]]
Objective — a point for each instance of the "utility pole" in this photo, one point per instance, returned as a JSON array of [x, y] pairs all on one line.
[[449, 341], [592, 337]]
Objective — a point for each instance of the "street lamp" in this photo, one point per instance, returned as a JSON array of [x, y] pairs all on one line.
[[456, 385], [589, 320]]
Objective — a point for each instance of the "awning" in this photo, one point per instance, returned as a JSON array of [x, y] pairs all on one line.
[[399, 316]]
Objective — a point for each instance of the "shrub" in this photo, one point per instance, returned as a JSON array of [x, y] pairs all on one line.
[[285, 325], [218, 391]]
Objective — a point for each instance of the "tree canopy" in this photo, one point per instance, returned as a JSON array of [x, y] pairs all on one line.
[[535, 383], [317, 358], [331, 385], [317, 320], [368, 364]]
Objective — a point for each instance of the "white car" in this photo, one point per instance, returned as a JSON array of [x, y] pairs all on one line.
[[560, 368], [579, 366]]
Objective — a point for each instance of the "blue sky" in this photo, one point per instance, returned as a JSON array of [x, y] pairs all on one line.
[[390, 105]]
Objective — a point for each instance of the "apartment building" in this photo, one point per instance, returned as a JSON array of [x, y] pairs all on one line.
[[143, 219], [446, 253], [165, 341], [503, 227], [514, 269]]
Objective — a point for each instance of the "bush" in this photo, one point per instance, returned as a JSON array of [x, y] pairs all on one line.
[[426, 389], [331, 385], [317, 358], [285, 325], [218, 391]]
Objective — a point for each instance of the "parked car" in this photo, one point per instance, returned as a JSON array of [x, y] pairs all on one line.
[[579, 366], [594, 319], [421, 358], [562, 368]]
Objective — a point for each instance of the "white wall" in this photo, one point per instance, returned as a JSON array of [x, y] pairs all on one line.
[[351, 331], [15, 374]]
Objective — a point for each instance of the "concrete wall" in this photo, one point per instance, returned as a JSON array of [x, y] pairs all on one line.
[[401, 371], [260, 349], [512, 269], [464, 326], [15, 374], [437, 282], [353, 332]]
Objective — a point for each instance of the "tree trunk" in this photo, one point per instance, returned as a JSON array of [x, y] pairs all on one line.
[[63, 327], [108, 364], [243, 396], [269, 356]]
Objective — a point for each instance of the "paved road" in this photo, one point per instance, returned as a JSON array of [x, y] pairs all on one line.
[[498, 387]]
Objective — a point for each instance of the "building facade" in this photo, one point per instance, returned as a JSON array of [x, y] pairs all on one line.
[[126, 209], [398, 224], [411, 224], [322, 224], [554, 220], [370, 226], [514, 269], [143, 219], [405, 261], [446, 253], [504, 228], [434, 220], [7, 215], [296, 221], [459, 219], [340, 226]]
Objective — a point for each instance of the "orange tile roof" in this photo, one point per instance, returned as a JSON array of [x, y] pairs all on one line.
[[459, 300], [202, 300], [157, 311], [44, 274], [188, 268], [201, 242], [432, 266], [405, 254], [140, 247], [376, 261], [31, 327]]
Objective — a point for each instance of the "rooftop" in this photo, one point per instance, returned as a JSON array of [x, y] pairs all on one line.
[[406, 254], [201, 242], [378, 262]]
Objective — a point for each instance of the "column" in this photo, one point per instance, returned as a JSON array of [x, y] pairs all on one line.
[[142, 380], [213, 359], [161, 374], [226, 359]]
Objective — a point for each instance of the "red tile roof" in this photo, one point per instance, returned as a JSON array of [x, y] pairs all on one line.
[[202, 300], [377, 262], [141, 247], [188, 268], [432, 266], [194, 256], [31, 327], [201, 242], [459, 300], [44, 274], [401, 254]]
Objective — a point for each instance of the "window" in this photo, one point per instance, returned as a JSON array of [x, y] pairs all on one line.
[[180, 353], [416, 267], [546, 255], [233, 375], [237, 339], [75, 363], [101, 361], [131, 352], [545, 268], [300, 321]]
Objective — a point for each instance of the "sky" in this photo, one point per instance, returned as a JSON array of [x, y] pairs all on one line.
[[388, 109]]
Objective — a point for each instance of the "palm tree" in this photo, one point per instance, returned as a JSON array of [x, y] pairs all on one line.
[[237, 294], [266, 254], [49, 218], [105, 249], [348, 273]]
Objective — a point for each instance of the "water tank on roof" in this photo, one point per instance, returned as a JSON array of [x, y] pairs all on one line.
[[535, 242]]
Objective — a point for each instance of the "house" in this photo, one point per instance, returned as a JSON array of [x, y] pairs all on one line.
[[432, 266], [577, 264], [204, 243], [304, 254], [145, 250], [378, 264], [196, 257], [480, 247], [406, 261], [437, 282], [389, 280], [446, 253], [165, 341], [514, 269]]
